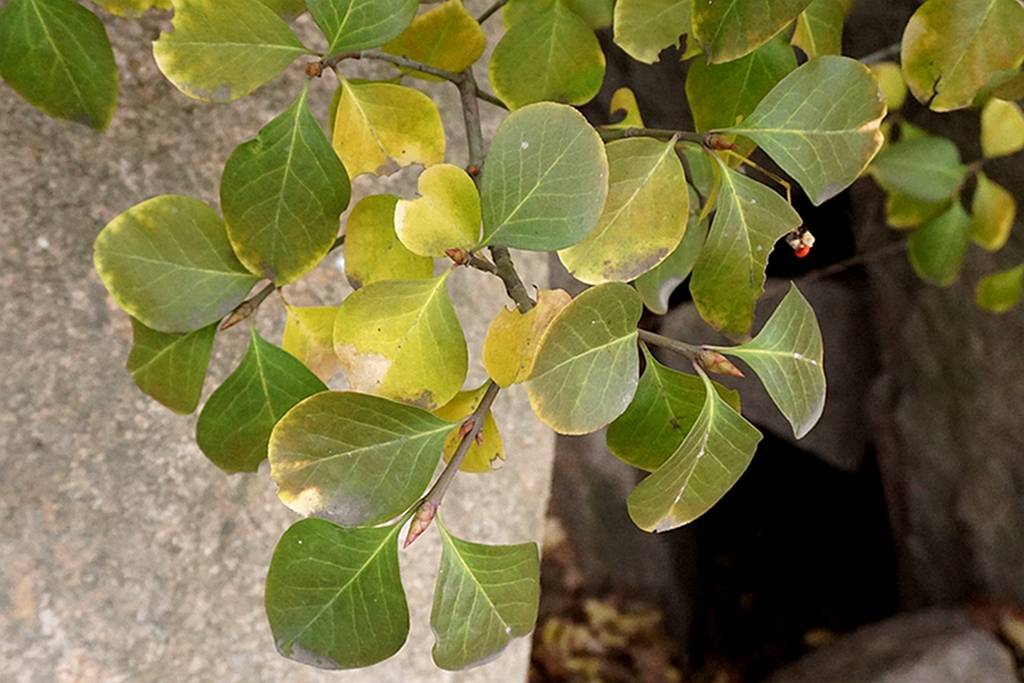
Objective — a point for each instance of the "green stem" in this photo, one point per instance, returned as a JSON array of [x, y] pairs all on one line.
[[688, 350]]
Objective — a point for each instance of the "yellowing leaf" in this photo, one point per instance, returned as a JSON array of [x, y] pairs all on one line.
[[1002, 128], [445, 37], [309, 336], [512, 338], [550, 55], [375, 122], [890, 80], [401, 339], [952, 48], [132, 8], [624, 104], [372, 249], [819, 28], [937, 249], [597, 13], [903, 211], [352, 25], [730, 29], [171, 367], [487, 452], [993, 212], [585, 371], [644, 217], [1001, 292], [655, 287], [445, 216], [221, 50], [643, 28]]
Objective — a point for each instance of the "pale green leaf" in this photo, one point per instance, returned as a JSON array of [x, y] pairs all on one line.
[[597, 13], [401, 339], [550, 55], [372, 249], [643, 28], [55, 54], [488, 451], [993, 211], [135, 8], [334, 596], [512, 337], [644, 216], [286, 9], [235, 424], [729, 275], [1001, 292], [890, 80], [546, 179], [656, 286], [221, 50], [1002, 128], [708, 462], [925, 168], [730, 29], [485, 596], [445, 216], [309, 336], [445, 37], [952, 48], [819, 28], [357, 459], [352, 25], [937, 249], [282, 194], [903, 211], [168, 263], [170, 368], [585, 371], [820, 124]]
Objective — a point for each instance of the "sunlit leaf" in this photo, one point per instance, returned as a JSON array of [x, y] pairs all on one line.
[[445, 37], [1001, 292], [820, 124], [55, 54], [729, 275], [170, 368], [546, 179], [712, 457], [1002, 128], [665, 408], [309, 336], [644, 217], [656, 286], [401, 339], [372, 249], [730, 29], [135, 8], [597, 13], [287, 9], [334, 596], [235, 424], [819, 28], [512, 338], [550, 55], [643, 28], [937, 248], [787, 355], [221, 50], [377, 122], [585, 371], [486, 595], [951, 48], [354, 458], [282, 194], [168, 263], [445, 216], [993, 211], [624, 104], [890, 80], [488, 452], [925, 168], [352, 25]]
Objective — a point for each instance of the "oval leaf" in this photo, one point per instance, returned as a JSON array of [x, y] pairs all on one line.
[[445, 216], [643, 28], [1001, 292], [993, 211], [445, 37], [171, 367], [925, 168], [1002, 128], [937, 249], [372, 249], [656, 286], [730, 29], [352, 25]]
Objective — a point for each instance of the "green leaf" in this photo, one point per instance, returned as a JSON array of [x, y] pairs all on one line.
[[788, 357], [655, 287], [1001, 292], [352, 25], [952, 48], [401, 339], [235, 424], [729, 275], [309, 336], [55, 54], [222, 50], [546, 179], [644, 217], [665, 408], [357, 459], [722, 95], [445, 37], [937, 249], [820, 124], [550, 55], [712, 457], [597, 13], [1002, 128], [133, 8], [168, 263], [286, 9], [819, 28], [375, 122], [372, 249], [643, 28], [890, 80], [445, 216], [510, 346], [993, 212], [487, 452], [282, 194], [730, 29], [334, 596], [1011, 89], [585, 371], [486, 595], [903, 211], [171, 367], [925, 168]]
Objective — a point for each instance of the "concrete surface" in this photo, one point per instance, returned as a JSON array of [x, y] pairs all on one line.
[[124, 554]]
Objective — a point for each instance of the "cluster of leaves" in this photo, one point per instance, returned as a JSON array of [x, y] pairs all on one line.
[[633, 212]]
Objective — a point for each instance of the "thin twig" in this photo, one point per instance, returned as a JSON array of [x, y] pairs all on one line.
[[609, 134], [688, 350], [490, 11], [514, 287], [887, 52]]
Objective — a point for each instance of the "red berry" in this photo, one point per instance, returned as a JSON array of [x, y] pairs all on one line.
[[802, 251]]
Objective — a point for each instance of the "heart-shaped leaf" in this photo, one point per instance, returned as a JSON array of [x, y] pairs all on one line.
[[357, 459], [643, 28], [937, 249], [445, 216], [445, 37], [512, 338], [730, 29], [170, 368], [352, 25], [1001, 292], [309, 336], [487, 452], [372, 249]]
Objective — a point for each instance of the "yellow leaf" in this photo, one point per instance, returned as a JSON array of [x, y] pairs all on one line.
[[372, 249], [993, 210], [309, 336], [445, 216], [1002, 128], [512, 338], [488, 453], [623, 100], [890, 80], [445, 37]]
